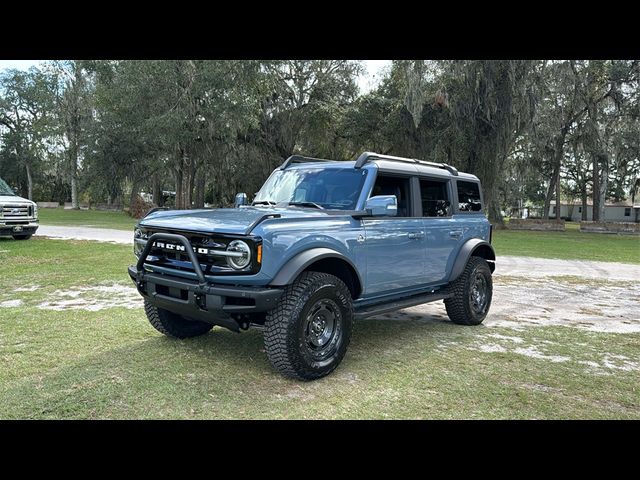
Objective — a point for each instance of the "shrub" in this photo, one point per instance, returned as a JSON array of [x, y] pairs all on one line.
[[139, 208]]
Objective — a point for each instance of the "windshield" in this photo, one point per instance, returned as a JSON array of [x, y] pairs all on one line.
[[332, 188], [4, 189]]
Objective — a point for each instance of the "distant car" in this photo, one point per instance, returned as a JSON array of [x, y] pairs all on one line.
[[18, 216], [323, 243]]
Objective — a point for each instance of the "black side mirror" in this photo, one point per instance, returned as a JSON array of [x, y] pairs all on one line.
[[241, 199]]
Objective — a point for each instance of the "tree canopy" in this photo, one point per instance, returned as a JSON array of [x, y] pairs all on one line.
[[103, 131]]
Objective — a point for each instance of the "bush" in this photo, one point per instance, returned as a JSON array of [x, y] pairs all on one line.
[[139, 208]]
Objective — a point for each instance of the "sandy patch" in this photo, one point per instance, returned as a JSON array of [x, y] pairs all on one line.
[[93, 298], [32, 288], [543, 302], [11, 303]]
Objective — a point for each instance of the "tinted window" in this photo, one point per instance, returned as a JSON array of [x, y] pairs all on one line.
[[435, 198], [469, 197], [394, 186], [627, 212]]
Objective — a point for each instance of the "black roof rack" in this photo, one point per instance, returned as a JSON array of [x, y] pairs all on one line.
[[301, 159], [368, 156]]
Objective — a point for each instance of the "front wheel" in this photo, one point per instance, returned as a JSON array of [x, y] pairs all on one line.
[[172, 324], [307, 334], [473, 291]]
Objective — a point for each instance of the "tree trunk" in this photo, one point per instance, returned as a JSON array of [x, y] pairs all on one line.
[[73, 169], [547, 199], [178, 198], [158, 199], [200, 182], [29, 183], [492, 205], [74, 193], [604, 184], [558, 202], [135, 187], [595, 195], [584, 201]]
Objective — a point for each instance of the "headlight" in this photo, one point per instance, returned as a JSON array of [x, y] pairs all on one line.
[[35, 210], [239, 262]]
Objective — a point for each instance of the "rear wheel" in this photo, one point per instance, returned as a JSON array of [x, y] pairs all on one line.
[[473, 291], [307, 334], [21, 237], [174, 325]]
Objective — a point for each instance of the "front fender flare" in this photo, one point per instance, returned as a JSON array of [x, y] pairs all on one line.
[[467, 251], [298, 263]]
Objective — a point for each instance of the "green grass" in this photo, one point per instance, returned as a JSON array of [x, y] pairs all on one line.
[[111, 363], [569, 245], [86, 218]]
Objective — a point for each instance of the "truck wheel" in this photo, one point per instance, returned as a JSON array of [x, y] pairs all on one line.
[[472, 290], [307, 334], [21, 237], [172, 324]]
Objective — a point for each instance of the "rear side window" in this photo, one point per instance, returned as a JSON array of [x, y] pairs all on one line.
[[469, 197], [435, 198]]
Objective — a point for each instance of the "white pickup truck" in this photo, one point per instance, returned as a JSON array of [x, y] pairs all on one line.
[[18, 216]]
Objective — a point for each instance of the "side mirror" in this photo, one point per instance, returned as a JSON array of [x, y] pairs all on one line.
[[241, 199], [382, 205]]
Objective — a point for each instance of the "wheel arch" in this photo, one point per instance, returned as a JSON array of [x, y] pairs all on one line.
[[323, 260], [473, 248]]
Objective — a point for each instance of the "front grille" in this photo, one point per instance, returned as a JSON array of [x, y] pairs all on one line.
[[17, 211], [210, 264]]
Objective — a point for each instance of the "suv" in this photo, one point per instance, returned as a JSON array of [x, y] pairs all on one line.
[[324, 243], [18, 216]]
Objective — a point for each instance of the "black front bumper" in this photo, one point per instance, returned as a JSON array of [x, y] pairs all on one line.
[[24, 230], [199, 299]]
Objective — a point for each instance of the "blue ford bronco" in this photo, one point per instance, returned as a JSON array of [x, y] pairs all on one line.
[[322, 244]]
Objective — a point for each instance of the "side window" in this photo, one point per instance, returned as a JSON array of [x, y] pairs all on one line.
[[469, 197], [435, 198], [398, 186]]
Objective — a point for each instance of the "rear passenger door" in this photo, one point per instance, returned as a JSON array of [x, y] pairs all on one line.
[[442, 236]]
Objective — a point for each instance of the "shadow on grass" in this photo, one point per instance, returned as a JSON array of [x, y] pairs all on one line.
[[218, 375]]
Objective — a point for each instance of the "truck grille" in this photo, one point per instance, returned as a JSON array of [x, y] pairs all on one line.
[[210, 265], [17, 211]]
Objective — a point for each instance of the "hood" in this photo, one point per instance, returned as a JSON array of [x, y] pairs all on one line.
[[14, 199], [222, 220]]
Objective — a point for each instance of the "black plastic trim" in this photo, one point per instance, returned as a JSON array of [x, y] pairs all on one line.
[[466, 252]]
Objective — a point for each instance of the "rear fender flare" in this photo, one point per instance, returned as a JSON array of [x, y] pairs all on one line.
[[475, 246]]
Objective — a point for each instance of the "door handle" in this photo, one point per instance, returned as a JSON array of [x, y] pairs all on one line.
[[455, 233], [415, 235]]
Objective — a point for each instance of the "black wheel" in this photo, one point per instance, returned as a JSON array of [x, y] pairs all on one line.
[[472, 290], [307, 334], [172, 324], [21, 237]]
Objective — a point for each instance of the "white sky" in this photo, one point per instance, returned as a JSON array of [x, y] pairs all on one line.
[[369, 80]]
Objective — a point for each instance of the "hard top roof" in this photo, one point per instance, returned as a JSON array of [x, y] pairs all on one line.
[[386, 162]]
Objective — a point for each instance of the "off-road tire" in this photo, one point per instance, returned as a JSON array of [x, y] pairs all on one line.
[[460, 307], [288, 326], [172, 324], [21, 237]]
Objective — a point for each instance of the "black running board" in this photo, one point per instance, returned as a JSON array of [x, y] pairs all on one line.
[[386, 307]]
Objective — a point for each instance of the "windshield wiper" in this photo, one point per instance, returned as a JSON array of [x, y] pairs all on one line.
[[264, 202], [306, 204]]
